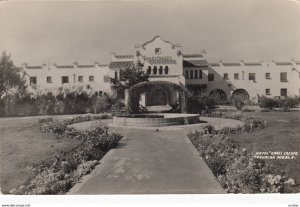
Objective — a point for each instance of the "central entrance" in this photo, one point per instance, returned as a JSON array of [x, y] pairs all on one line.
[[158, 97], [156, 93]]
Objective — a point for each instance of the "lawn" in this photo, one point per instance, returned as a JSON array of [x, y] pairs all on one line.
[[23, 144], [282, 134]]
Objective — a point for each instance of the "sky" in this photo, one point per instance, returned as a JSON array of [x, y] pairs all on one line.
[[40, 32]]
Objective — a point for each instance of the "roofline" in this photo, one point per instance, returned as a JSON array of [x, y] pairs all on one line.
[[158, 36]]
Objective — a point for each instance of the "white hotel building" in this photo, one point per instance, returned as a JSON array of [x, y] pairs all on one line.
[[166, 62]]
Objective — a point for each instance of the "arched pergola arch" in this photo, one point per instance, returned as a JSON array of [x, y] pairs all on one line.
[[240, 93], [218, 94], [135, 92]]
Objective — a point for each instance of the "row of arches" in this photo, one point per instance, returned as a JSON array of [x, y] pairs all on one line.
[[221, 95], [158, 71]]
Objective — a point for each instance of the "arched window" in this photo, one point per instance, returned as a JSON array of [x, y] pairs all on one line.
[[191, 74], [149, 70], [187, 74], [160, 70], [155, 70], [166, 70], [121, 73]]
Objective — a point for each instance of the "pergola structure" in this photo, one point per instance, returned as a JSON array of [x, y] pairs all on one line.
[[152, 93]]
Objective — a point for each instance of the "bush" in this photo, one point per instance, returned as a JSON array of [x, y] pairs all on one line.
[[106, 103], [45, 120], [58, 128], [286, 104], [236, 169], [238, 102], [209, 129], [200, 104], [59, 174]]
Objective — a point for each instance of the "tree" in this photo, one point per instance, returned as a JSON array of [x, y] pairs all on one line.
[[10, 75], [129, 77], [12, 85]]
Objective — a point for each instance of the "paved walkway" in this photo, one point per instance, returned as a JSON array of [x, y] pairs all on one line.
[[151, 162]]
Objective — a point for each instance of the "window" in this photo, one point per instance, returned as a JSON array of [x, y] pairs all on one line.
[[91, 78], [200, 74], [49, 80], [64, 79], [155, 70], [121, 73], [236, 76], [149, 70], [80, 79], [191, 74], [187, 74], [166, 70], [116, 74], [196, 74], [33, 80], [106, 78], [268, 91], [283, 77], [252, 76], [268, 76], [157, 51], [225, 77], [160, 71], [211, 77], [283, 92]]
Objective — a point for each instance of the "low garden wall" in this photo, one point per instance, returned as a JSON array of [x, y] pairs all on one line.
[[156, 120]]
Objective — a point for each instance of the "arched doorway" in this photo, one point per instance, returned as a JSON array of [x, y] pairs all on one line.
[[158, 97], [156, 93], [218, 94], [240, 93]]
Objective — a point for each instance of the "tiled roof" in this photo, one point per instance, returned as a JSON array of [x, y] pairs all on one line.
[[161, 61], [231, 64], [283, 63], [34, 67], [252, 64], [194, 63], [85, 66], [214, 64], [64, 66], [121, 64], [124, 56], [192, 56]]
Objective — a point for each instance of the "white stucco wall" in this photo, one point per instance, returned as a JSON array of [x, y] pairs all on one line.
[[98, 71], [177, 71], [259, 86]]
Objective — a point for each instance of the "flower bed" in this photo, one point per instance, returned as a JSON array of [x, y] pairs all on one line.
[[58, 174], [236, 169]]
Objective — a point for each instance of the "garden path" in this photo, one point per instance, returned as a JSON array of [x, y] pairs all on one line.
[[152, 162]]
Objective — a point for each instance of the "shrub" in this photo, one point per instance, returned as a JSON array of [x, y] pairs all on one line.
[[200, 104], [285, 104], [105, 103], [238, 102], [58, 128], [64, 169], [45, 120], [236, 169], [209, 129]]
